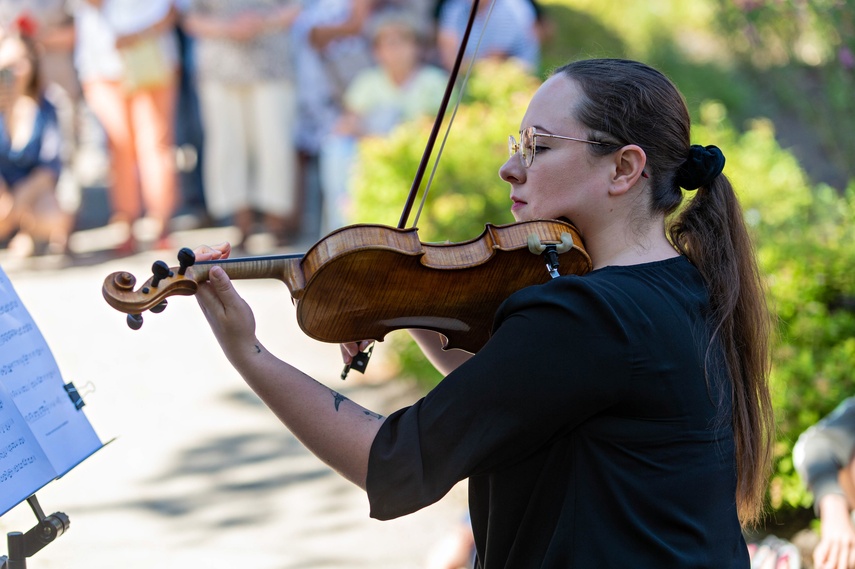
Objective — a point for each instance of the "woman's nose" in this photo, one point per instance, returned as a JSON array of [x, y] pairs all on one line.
[[513, 171]]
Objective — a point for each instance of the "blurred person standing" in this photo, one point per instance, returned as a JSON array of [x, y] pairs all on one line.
[[189, 137], [330, 50], [248, 98], [399, 88], [30, 144], [127, 60], [505, 29]]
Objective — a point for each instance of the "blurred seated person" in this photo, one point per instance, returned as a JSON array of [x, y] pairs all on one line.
[[50, 25], [30, 144], [505, 29], [399, 88], [823, 457]]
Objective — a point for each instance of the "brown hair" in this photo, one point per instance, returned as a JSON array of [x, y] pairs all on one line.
[[634, 103], [34, 87]]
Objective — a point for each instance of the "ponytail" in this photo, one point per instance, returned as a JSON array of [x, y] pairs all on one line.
[[711, 232]]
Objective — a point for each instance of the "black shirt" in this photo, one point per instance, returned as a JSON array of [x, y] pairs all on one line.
[[587, 427]]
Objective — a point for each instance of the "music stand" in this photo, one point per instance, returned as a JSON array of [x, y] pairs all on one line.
[[24, 545], [44, 432]]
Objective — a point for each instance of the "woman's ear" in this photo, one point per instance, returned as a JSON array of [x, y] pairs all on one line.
[[629, 164]]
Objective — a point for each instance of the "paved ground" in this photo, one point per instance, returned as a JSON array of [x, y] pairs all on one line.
[[200, 475]]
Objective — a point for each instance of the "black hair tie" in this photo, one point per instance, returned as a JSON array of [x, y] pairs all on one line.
[[701, 167]]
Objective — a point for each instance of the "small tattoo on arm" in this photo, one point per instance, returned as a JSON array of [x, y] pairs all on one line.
[[257, 349], [338, 398]]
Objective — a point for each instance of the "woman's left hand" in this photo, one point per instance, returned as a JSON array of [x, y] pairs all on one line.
[[230, 317], [213, 252]]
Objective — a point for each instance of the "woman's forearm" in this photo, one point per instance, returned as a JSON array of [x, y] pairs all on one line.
[[162, 26], [334, 428]]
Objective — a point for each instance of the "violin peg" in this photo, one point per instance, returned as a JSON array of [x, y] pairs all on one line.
[[159, 307], [160, 271], [186, 258], [135, 321]]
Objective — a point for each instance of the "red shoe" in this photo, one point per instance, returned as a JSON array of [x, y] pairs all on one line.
[[127, 247], [163, 243]]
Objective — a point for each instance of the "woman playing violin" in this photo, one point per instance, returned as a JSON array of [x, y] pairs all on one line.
[[616, 419]]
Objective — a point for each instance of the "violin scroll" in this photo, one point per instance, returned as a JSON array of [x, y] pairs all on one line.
[[118, 288]]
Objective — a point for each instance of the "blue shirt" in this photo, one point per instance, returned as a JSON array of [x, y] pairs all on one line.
[[510, 30], [41, 151]]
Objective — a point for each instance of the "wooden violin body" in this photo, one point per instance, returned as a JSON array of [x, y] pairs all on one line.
[[363, 281]]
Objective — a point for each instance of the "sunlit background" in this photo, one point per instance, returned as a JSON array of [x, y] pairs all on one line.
[[202, 475]]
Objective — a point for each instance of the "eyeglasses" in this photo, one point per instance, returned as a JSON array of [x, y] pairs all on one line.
[[528, 145]]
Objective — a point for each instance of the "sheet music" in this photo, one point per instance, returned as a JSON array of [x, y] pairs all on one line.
[[24, 467], [42, 434]]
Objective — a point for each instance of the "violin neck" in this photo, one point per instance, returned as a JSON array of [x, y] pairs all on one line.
[[281, 267]]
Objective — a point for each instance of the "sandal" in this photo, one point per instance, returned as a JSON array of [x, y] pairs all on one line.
[[774, 553]]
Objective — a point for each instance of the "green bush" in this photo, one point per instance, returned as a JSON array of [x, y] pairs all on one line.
[[803, 54], [804, 239]]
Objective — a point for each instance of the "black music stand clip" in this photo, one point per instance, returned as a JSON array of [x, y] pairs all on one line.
[[24, 545]]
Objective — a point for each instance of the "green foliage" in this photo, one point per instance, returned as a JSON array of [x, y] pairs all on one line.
[[803, 52], [805, 239]]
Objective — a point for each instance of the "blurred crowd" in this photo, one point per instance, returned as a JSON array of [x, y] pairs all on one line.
[[238, 112]]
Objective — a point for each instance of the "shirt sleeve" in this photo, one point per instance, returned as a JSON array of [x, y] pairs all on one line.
[[552, 362], [361, 94], [824, 449]]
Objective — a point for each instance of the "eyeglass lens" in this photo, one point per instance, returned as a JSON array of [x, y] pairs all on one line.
[[525, 146]]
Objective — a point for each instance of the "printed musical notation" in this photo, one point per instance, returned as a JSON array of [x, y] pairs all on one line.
[[42, 434]]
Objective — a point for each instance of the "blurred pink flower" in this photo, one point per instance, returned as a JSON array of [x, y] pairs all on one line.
[[847, 58]]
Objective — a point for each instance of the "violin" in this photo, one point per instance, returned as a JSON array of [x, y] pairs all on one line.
[[363, 281]]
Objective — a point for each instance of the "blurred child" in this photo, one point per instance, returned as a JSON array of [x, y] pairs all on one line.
[[399, 88]]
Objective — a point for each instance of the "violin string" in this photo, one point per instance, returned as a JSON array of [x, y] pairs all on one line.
[[453, 114]]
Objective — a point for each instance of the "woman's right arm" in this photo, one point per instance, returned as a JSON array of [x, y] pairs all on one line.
[[430, 343], [445, 361]]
